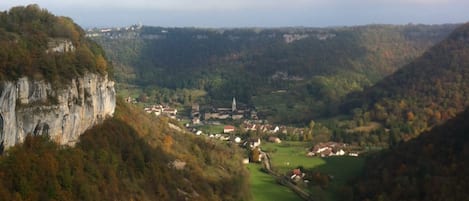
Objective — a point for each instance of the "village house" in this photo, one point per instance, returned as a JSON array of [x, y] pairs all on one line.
[[228, 129], [328, 149], [161, 110], [264, 127], [171, 112], [297, 175], [276, 129], [235, 112], [195, 113], [274, 139], [195, 120], [253, 114], [253, 143], [131, 100], [237, 116]]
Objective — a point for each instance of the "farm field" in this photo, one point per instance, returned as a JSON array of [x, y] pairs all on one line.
[[265, 188], [289, 155]]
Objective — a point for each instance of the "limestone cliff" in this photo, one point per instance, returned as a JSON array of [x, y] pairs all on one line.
[[63, 113]]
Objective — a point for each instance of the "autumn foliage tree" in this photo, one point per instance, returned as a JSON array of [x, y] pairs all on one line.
[[430, 167], [255, 154], [422, 94], [28, 33], [123, 159]]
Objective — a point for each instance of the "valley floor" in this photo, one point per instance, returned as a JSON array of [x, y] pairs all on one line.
[[265, 188], [290, 155]]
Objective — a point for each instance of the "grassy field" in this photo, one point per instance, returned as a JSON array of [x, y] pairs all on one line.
[[265, 188], [289, 155], [211, 129]]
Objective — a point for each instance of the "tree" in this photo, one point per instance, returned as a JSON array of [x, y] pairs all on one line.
[[410, 116], [168, 142], [255, 155], [142, 98], [101, 64], [308, 134]]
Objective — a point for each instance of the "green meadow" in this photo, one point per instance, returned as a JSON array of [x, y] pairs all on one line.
[[265, 188], [289, 155]]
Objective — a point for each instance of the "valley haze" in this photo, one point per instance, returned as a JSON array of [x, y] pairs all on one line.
[[260, 13]]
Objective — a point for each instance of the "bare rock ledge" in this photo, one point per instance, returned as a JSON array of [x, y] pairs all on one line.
[[62, 113]]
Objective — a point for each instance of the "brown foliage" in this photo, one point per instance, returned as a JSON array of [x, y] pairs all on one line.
[[123, 159], [28, 31], [430, 167]]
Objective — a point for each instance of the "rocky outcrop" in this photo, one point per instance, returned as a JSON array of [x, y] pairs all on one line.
[[62, 113]]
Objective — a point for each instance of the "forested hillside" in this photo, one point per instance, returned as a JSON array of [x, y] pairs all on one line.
[[426, 92], [28, 36], [430, 167], [314, 67], [132, 156]]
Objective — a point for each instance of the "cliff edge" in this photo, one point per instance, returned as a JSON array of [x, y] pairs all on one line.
[[34, 107], [53, 80]]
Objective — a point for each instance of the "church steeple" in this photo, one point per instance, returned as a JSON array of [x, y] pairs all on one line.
[[233, 105]]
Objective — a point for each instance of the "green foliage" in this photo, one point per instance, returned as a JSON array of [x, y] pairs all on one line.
[[125, 158], [291, 155], [244, 63], [430, 167], [426, 92], [27, 35]]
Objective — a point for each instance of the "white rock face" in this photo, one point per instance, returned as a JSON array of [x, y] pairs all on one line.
[[35, 107]]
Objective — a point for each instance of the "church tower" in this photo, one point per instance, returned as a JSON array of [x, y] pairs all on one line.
[[233, 105]]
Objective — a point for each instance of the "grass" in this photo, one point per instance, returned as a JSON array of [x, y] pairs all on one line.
[[211, 129], [342, 168], [289, 155], [265, 188]]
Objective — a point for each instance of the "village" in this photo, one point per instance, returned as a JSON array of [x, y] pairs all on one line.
[[250, 132], [284, 152]]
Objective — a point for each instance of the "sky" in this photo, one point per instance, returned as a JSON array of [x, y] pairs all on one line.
[[252, 13]]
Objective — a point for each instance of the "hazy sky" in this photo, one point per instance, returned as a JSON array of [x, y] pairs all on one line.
[[263, 13]]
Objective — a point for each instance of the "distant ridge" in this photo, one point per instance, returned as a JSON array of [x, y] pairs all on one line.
[[319, 66]]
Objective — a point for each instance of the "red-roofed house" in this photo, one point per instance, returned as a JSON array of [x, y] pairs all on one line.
[[228, 129]]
